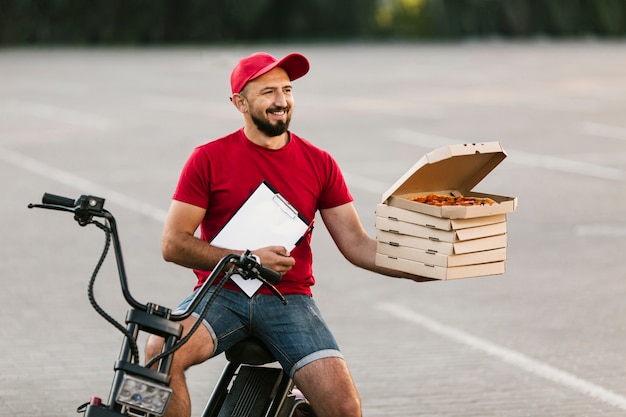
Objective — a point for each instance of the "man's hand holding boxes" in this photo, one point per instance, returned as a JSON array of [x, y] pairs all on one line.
[[430, 223]]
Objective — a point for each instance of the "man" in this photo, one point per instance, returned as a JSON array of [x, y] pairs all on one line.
[[216, 180]]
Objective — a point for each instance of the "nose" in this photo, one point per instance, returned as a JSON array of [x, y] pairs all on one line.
[[280, 99]]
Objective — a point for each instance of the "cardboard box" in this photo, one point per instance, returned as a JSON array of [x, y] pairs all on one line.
[[395, 213], [445, 242], [451, 170], [446, 248], [437, 272], [404, 228], [430, 257]]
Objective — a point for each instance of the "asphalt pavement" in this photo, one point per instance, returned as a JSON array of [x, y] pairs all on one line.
[[547, 338]]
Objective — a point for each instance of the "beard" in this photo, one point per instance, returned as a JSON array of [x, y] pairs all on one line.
[[268, 128]]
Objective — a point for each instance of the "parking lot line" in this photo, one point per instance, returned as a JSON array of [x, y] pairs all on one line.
[[60, 114], [604, 131], [509, 356], [517, 156], [66, 178]]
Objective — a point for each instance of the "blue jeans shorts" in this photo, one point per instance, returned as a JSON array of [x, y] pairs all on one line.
[[295, 333]]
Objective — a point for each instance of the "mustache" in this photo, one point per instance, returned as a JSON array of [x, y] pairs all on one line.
[[275, 109]]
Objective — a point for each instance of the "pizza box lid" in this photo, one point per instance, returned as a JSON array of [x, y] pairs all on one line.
[[453, 167]]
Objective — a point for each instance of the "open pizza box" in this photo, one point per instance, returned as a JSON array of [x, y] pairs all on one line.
[[451, 170], [446, 241]]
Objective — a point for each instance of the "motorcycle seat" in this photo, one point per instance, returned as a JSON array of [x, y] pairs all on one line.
[[250, 351]]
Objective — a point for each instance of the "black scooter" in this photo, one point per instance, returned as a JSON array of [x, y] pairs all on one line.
[[250, 384]]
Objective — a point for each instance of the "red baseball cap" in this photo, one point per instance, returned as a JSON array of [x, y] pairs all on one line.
[[260, 63]]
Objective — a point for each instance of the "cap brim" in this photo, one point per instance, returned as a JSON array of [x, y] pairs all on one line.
[[295, 64]]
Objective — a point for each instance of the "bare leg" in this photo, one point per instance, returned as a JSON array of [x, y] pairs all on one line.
[[329, 387], [197, 350]]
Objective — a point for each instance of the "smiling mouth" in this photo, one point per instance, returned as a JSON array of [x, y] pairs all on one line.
[[278, 112]]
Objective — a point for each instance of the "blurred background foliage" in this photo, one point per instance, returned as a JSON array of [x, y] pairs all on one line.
[[151, 22], [504, 18]]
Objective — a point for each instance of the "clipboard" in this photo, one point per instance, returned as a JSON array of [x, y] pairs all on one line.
[[266, 218]]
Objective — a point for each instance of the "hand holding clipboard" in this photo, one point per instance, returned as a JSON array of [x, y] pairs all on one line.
[[265, 219]]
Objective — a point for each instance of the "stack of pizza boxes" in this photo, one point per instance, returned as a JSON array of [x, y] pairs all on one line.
[[448, 241]]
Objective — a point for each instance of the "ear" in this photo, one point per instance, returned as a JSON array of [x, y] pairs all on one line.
[[240, 102]]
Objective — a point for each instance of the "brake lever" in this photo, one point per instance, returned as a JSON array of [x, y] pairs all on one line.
[[248, 267], [51, 207], [82, 217], [273, 289], [252, 274], [84, 209]]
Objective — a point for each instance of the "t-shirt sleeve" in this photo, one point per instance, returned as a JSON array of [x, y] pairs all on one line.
[[336, 191], [193, 183]]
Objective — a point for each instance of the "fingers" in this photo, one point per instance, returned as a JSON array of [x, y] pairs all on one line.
[[276, 258]]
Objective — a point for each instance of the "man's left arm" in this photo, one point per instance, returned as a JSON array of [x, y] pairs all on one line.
[[354, 243]]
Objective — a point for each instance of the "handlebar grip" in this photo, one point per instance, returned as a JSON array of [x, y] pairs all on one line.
[[269, 274], [58, 200]]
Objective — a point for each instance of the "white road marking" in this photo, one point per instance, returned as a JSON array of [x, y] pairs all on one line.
[[600, 230], [605, 131], [520, 157], [509, 356], [567, 165], [81, 184], [189, 107], [366, 184], [85, 186], [60, 114]]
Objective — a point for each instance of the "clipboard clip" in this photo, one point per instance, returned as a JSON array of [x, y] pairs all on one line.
[[284, 205]]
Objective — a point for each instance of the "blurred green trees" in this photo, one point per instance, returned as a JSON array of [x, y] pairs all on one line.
[[180, 21], [89, 22], [506, 18]]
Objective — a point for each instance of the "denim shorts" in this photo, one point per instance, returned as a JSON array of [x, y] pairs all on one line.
[[295, 333]]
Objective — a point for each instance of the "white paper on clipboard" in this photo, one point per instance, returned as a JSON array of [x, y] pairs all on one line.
[[265, 219]]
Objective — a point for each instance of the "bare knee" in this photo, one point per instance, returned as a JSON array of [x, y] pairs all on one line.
[[338, 404], [347, 405], [154, 346], [329, 387], [197, 349]]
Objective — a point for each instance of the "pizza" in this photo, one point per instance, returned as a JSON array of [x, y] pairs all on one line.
[[451, 200]]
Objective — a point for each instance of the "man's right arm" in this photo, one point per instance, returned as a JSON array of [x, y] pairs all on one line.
[[180, 245]]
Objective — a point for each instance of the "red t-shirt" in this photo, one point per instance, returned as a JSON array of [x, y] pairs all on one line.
[[220, 175]]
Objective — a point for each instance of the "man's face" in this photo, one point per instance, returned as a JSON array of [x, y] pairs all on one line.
[[270, 102]]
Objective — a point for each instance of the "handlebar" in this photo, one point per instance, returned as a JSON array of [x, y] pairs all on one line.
[[270, 275], [86, 207], [247, 265], [253, 269], [58, 200]]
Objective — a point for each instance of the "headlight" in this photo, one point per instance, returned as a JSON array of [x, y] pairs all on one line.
[[143, 394]]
